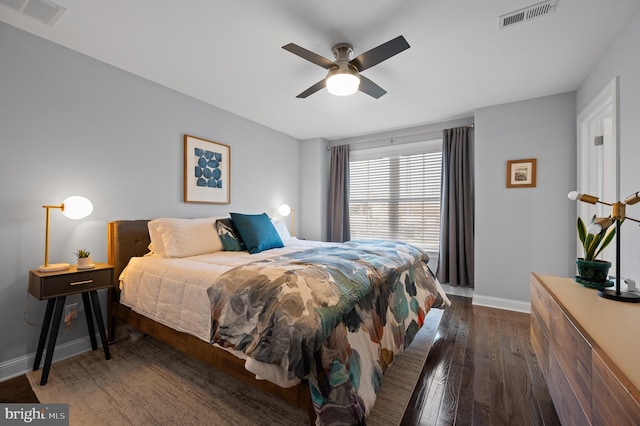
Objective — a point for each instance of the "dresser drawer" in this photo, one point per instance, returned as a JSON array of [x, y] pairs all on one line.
[[615, 400], [540, 344], [46, 286], [574, 355], [540, 301], [569, 409]]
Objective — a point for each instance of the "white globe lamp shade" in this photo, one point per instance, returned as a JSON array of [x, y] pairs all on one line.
[[284, 210], [76, 207]]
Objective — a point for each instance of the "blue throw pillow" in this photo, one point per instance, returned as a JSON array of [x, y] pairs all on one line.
[[257, 232], [229, 235]]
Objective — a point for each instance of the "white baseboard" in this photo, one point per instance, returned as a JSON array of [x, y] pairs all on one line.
[[488, 301], [499, 303], [457, 290], [18, 366]]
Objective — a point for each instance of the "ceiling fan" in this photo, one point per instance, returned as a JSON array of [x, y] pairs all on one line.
[[344, 76]]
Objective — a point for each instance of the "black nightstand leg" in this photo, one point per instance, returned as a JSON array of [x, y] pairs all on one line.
[[87, 312], [98, 313], [43, 333], [53, 336]]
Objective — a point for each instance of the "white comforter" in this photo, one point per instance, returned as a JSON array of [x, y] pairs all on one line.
[[173, 292]]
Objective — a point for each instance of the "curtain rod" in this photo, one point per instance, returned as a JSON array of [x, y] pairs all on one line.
[[391, 140]]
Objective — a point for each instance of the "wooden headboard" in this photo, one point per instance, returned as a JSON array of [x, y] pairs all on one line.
[[126, 239]]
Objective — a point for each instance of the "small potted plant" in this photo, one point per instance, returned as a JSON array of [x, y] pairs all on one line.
[[84, 259], [591, 270]]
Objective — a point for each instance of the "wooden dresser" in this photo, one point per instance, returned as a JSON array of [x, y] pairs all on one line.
[[588, 349]]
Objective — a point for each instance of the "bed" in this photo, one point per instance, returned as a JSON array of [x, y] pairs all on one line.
[[331, 352]]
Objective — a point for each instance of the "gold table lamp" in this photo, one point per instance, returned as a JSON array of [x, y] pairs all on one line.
[[74, 207]]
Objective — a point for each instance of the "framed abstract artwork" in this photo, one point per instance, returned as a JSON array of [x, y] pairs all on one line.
[[521, 173], [207, 171]]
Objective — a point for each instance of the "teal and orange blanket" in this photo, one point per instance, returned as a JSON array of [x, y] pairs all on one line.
[[336, 316]]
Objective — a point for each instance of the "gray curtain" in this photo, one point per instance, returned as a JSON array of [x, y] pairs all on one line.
[[338, 229], [455, 263]]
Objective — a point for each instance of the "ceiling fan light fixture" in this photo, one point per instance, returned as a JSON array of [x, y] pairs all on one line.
[[344, 77], [343, 82]]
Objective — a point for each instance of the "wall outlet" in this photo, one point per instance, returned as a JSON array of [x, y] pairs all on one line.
[[70, 312]]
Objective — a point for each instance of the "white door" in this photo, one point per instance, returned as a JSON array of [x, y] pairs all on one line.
[[598, 158]]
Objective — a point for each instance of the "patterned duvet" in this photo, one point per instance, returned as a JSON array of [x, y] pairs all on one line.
[[336, 316]]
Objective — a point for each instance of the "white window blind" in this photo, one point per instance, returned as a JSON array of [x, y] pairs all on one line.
[[395, 193]]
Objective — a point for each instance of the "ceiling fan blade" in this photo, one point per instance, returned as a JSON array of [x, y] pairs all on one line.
[[313, 89], [370, 88], [309, 55], [380, 53]]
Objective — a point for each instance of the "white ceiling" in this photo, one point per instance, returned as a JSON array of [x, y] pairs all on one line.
[[228, 54]]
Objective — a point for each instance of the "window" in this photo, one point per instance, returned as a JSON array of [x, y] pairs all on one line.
[[394, 193]]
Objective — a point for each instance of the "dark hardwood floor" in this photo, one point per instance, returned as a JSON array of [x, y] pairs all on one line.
[[480, 371], [17, 390]]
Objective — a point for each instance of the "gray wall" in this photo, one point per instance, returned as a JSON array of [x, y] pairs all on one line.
[[72, 125], [622, 59], [314, 184], [521, 230]]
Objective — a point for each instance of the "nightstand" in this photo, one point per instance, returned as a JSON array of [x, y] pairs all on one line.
[[55, 287]]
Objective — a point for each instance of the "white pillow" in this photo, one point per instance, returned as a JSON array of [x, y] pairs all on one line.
[[282, 230], [173, 237]]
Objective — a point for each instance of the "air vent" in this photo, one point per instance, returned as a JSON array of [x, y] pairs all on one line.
[[44, 11], [527, 13]]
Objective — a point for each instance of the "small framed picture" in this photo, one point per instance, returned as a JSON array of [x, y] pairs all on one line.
[[207, 171], [521, 173]]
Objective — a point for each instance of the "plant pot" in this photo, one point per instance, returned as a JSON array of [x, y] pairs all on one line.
[[85, 263], [595, 271]]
